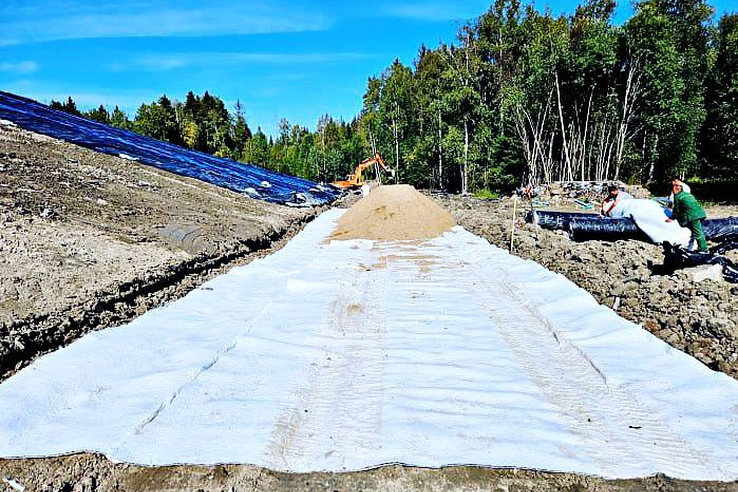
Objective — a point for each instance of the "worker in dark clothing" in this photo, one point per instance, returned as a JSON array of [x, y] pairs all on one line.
[[688, 212]]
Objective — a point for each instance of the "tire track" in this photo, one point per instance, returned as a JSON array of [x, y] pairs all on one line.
[[608, 418], [326, 423]]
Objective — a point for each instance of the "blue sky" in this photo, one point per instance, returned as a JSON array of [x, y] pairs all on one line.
[[281, 58]]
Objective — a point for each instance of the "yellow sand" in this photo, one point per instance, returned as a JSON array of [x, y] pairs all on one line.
[[396, 212]]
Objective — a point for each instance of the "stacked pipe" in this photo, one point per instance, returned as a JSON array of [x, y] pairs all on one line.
[[585, 227]]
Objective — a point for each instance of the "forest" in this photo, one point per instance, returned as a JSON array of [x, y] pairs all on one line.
[[521, 97]]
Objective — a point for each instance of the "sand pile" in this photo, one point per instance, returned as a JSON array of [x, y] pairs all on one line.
[[393, 213]]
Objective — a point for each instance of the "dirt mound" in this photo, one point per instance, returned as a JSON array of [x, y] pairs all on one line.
[[394, 213], [93, 472]]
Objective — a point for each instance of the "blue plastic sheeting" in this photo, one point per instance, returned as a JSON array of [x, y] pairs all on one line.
[[250, 180]]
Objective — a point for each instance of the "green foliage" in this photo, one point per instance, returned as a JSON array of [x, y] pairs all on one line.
[[670, 37], [720, 133], [486, 194], [522, 96], [68, 107], [119, 119], [100, 115]]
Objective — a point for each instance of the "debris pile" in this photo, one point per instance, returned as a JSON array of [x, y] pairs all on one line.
[[584, 194]]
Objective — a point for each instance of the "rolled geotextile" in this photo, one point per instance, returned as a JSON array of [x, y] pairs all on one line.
[[555, 220]]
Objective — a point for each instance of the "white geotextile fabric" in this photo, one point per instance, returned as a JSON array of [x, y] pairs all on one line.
[[346, 355], [650, 217]]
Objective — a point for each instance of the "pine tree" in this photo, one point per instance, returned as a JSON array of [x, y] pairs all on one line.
[[100, 115], [119, 119], [720, 134]]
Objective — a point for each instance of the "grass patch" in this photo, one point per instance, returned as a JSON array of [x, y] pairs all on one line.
[[485, 193]]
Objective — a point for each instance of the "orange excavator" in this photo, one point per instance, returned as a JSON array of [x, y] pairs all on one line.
[[356, 180]]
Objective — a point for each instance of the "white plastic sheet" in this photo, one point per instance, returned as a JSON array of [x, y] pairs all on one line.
[[651, 219], [346, 355]]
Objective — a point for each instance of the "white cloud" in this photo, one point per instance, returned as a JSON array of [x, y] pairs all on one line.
[[46, 20], [165, 62], [23, 67]]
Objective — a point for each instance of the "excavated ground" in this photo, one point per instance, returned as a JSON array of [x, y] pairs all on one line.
[[90, 241], [700, 318], [92, 473]]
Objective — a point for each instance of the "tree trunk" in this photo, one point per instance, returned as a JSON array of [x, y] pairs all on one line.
[[440, 153], [631, 94], [563, 129], [586, 131], [652, 167], [322, 144], [464, 178], [397, 150], [373, 142]]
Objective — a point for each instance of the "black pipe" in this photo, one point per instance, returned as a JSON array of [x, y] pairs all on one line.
[[584, 226], [604, 229]]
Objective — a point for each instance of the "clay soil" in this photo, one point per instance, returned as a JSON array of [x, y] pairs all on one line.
[[700, 318]]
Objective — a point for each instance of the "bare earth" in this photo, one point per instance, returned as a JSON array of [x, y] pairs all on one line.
[[93, 473], [90, 241]]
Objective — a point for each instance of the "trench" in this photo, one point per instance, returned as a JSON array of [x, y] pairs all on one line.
[[25, 340]]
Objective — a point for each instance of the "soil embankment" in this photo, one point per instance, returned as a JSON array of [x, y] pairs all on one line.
[[700, 318], [90, 241], [394, 212]]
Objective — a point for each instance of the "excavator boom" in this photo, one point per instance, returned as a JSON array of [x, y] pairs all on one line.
[[355, 179]]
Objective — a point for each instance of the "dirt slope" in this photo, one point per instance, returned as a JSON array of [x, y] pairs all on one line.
[[89, 240]]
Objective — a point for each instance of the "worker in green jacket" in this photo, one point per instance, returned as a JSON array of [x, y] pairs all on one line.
[[688, 212]]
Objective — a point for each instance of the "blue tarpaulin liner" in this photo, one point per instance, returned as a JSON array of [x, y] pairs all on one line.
[[250, 180]]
